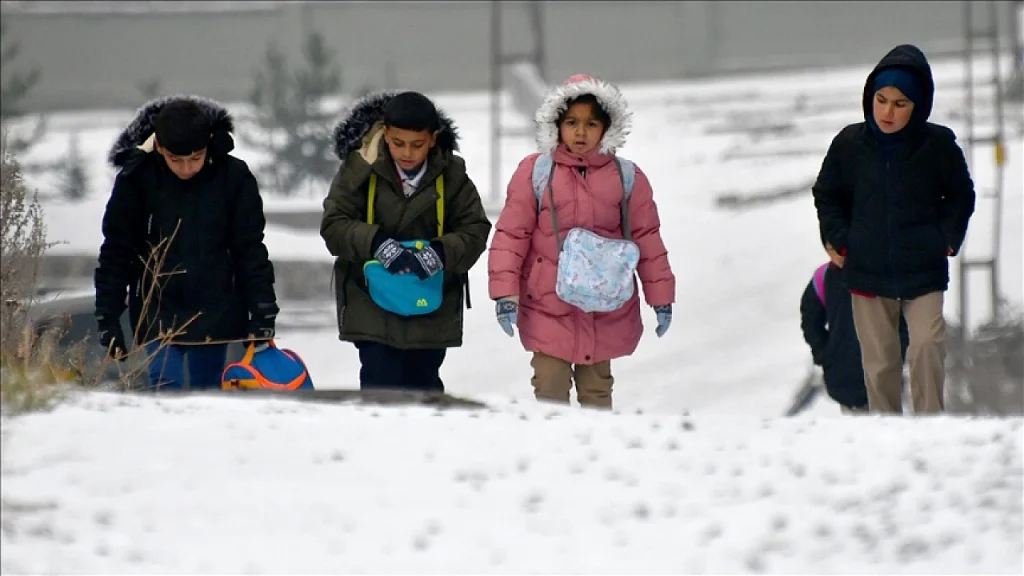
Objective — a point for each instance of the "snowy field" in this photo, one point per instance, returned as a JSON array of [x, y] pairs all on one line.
[[117, 485], [130, 485]]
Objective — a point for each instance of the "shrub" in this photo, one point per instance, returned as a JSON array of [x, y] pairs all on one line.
[[27, 358]]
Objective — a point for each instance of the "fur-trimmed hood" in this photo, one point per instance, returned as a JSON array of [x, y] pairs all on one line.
[[139, 135], [557, 101], [362, 127]]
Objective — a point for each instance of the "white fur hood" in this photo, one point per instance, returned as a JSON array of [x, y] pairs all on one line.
[[607, 95]]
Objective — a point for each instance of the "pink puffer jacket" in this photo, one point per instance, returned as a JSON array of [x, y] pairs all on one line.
[[523, 256]]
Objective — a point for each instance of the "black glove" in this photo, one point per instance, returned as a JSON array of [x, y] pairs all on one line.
[[429, 261], [393, 256], [261, 322], [111, 336]]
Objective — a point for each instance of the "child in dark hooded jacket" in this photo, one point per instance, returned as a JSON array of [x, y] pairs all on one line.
[[183, 244], [894, 196]]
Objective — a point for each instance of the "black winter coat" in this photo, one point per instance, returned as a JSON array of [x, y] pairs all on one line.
[[216, 265], [897, 216], [829, 330]]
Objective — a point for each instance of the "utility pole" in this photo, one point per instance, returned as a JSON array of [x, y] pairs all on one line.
[[979, 43], [534, 59]]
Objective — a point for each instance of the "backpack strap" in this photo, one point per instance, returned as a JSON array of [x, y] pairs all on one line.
[[438, 185], [627, 175], [819, 282], [544, 170]]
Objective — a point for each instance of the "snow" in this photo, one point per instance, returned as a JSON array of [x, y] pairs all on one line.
[[107, 484], [115, 485]]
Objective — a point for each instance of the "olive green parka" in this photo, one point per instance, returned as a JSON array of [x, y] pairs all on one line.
[[359, 143]]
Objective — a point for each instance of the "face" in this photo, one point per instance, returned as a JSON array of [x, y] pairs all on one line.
[[580, 130], [184, 167], [892, 109], [409, 148]]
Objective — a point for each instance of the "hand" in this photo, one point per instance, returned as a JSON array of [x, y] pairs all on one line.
[[390, 253], [837, 258], [428, 262], [507, 311], [395, 258], [111, 337], [949, 251], [261, 322], [664, 319], [259, 346]]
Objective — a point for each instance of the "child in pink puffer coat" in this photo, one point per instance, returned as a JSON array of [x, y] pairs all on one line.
[[580, 124]]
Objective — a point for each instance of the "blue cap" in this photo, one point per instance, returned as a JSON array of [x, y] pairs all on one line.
[[901, 79]]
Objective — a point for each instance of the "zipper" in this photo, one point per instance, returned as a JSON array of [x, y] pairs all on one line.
[[889, 201]]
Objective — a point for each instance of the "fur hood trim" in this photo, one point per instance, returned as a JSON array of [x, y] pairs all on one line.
[[363, 126], [556, 102], [139, 135]]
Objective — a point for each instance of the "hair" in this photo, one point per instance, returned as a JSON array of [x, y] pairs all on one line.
[[182, 127], [595, 107], [412, 111]]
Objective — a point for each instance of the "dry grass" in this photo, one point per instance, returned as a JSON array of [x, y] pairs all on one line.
[[132, 366], [35, 367], [28, 360]]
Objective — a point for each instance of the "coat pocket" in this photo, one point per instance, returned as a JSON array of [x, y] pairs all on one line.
[[540, 290]]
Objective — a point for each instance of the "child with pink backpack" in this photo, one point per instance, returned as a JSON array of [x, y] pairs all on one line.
[[578, 227], [826, 320]]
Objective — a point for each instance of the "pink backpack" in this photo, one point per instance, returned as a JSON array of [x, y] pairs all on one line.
[[819, 282]]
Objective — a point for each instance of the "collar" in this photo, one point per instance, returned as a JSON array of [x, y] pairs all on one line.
[[592, 159], [413, 180]]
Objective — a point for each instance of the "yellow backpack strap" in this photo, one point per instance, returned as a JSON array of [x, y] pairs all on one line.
[[440, 205], [372, 195]]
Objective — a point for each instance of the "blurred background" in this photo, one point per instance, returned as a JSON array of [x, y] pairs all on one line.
[[735, 103]]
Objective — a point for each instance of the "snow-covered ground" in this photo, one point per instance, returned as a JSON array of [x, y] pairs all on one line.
[[186, 485], [110, 484]]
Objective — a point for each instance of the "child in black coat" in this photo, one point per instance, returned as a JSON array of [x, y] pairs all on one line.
[[826, 318]]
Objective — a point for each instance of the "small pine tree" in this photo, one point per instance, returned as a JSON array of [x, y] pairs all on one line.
[[149, 89], [75, 182], [15, 87], [292, 121]]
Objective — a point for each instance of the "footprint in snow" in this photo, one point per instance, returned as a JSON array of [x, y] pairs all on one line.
[[711, 533], [104, 518], [780, 523], [533, 501]]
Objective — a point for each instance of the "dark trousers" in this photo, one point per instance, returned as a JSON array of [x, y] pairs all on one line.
[[205, 366], [391, 368]]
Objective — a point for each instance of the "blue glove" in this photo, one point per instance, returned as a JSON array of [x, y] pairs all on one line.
[[507, 311], [664, 319]]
